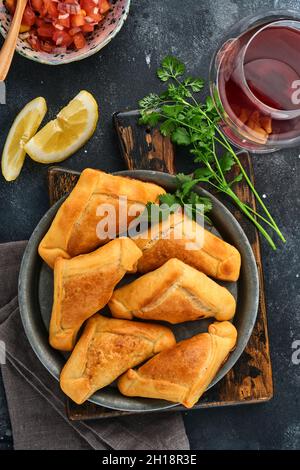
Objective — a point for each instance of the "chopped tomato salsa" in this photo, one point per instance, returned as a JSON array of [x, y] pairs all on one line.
[[54, 25]]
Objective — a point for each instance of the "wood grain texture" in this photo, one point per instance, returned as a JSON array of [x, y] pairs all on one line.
[[253, 372], [250, 380], [143, 148]]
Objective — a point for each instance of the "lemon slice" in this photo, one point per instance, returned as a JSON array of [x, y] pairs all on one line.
[[61, 137], [24, 127]]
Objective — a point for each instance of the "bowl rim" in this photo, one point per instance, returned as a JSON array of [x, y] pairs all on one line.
[[42, 350], [82, 55]]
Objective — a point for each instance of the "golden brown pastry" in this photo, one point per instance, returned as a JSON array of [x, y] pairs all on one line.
[[106, 349], [215, 258], [74, 228], [175, 293], [181, 374], [84, 284]]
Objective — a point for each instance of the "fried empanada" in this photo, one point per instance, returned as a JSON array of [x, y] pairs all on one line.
[[75, 228], [181, 374], [84, 284], [106, 349], [175, 293], [179, 237]]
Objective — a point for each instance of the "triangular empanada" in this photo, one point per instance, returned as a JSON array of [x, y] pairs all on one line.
[[180, 237], [84, 284], [175, 293], [181, 374], [74, 228], [106, 349]]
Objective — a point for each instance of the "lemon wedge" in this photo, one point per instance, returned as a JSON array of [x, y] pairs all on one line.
[[24, 127], [73, 126]]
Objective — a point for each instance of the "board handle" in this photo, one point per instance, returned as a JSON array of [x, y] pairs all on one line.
[[142, 147]]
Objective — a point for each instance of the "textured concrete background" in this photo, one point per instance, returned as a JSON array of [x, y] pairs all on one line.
[[118, 76]]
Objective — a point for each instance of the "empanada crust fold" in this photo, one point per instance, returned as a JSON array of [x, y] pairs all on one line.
[[106, 349], [174, 293], [210, 254], [74, 228], [181, 374], [84, 284]]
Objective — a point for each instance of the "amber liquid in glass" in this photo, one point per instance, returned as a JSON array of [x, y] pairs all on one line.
[[267, 78]]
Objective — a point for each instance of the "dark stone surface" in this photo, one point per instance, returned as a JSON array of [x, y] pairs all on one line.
[[119, 76]]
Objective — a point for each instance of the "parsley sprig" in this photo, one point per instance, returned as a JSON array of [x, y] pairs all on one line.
[[196, 206], [190, 122]]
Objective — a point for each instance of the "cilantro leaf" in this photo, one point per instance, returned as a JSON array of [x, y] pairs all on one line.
[[187, 187], [237, 179], [167, 127], [153, 213], [181, 136], [152, 101], [172, 110], [150, 118], [196, 84], [178, 92], [226, 162], [168, 199], [163, 75], [171, 67], [209, 104], [203, 174], [203, 154], [181, 178], [195, 198]]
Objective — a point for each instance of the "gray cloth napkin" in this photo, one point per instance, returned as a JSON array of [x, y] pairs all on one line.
[[37, 405]]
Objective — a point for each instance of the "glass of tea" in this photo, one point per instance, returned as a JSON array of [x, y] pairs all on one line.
[[255, 82]]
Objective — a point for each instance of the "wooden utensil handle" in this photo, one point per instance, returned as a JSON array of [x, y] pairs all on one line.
[[8, 48]]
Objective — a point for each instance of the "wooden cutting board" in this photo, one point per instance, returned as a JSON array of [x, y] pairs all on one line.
[[250, 380]]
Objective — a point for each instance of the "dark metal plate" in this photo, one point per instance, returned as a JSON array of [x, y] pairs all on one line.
[[36, 291]]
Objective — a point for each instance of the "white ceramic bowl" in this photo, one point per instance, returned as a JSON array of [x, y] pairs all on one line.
[[102, 35]]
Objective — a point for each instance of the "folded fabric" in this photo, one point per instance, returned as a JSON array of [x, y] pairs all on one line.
[[36, 404]]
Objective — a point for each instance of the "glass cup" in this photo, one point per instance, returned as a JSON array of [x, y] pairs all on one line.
[[255, 82]]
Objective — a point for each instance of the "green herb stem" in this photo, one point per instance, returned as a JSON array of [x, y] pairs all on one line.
[[244, 209], [272, 224], [189, 122], [266, 221], [244, 173]]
